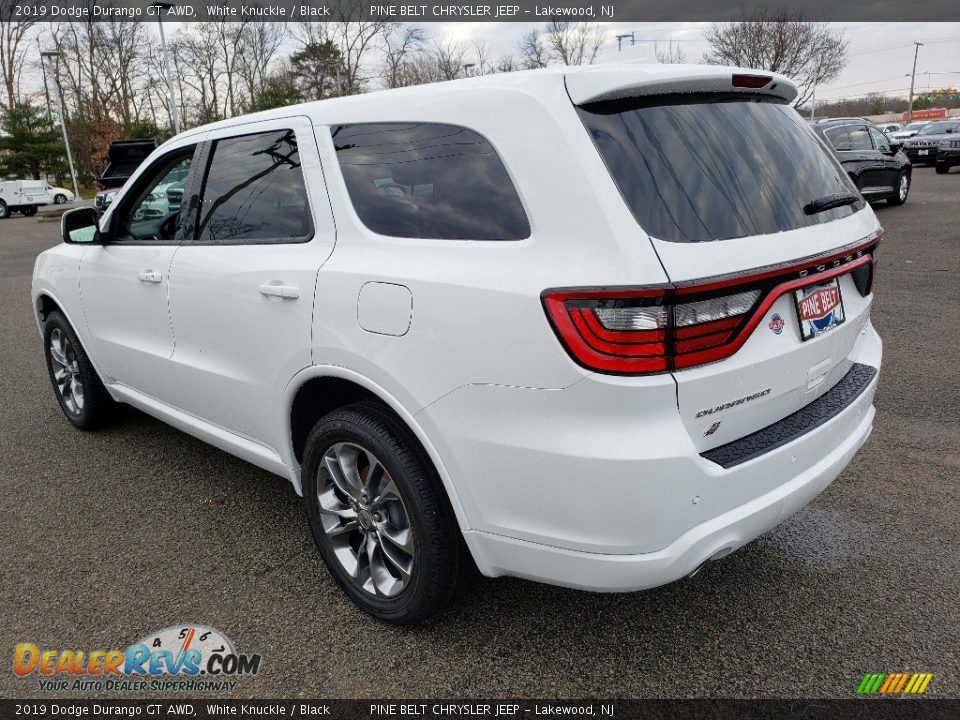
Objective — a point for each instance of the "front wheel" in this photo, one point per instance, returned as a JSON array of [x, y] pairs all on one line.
[[902, 190], [82, 397], [59, 199], [942, 168], [379, 514]]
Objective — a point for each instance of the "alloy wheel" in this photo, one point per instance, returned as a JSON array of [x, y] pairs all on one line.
[[66, 371], [365, 520], [904, 187]]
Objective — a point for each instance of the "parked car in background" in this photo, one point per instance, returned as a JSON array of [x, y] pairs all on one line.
[[23, 196], [873, 161], [910, 129], [948, 154], [922, 147], [888, 128], [58, 195], [594, 325], [123, 158]]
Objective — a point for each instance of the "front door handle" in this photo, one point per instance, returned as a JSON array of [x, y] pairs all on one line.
[[150, 276], [287, 292]]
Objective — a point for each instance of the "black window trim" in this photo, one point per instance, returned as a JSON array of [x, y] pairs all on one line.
[[199, 182], [348, 200], [178, 239]]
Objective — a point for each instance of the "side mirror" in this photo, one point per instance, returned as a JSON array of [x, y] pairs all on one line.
[[895, 144], [80, 226]]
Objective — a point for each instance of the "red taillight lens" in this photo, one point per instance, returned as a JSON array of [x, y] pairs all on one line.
[[650, 330], [624, 333]]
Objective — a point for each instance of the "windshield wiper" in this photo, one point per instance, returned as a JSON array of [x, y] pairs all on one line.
[[828, 202]]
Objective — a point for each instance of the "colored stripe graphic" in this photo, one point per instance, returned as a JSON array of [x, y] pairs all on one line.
[[894, 683]]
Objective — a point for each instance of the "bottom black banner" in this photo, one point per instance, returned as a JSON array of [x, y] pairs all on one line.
[[872, 709]]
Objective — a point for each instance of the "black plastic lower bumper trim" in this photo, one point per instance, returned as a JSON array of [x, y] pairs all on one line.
[[811, 416]]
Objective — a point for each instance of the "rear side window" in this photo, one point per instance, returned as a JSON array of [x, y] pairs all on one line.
[[254, 191], [713, 167], [860, 138], [424, 180], [839, 138]]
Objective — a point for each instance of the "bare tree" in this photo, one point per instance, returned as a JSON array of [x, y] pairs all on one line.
[[808, 52], [259, 44], [533, 51], [574, 43], [402, 43], [353, 40], [14, 36], [669, 54], [451, 58]]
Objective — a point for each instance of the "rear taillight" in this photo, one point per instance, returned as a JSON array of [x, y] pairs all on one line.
[[636, 331]]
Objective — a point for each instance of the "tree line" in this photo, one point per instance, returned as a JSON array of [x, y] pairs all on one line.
[[108, 80]]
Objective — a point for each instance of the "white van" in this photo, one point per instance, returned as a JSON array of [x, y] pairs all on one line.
[[23, 196], [589, 326]]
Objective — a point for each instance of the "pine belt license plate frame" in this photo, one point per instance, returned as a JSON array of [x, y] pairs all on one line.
[[819, 308]]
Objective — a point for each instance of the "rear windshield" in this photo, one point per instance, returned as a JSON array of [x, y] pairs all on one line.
[[694, 169]]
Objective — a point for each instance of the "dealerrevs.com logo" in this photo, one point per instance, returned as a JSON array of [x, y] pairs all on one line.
[[180, 657]]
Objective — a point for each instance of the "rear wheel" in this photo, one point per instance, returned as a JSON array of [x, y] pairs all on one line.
[[942, 168], [28, 210], [379, 514], [902, 190], [4, 210], [82, 397]]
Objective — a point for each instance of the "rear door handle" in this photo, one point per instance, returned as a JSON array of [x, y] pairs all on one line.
[[150, 276], [288, 292]]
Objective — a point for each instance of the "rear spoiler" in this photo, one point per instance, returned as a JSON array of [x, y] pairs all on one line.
[[625, 80]]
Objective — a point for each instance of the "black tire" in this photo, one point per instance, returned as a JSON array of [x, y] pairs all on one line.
[[59, 199], [437, 543], [28, 210], [942, 168], [896, 199], [4, 210], [96, 408]]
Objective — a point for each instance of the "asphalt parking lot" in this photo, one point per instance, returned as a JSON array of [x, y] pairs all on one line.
[[111, 535]]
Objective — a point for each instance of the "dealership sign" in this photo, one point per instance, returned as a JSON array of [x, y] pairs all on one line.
[[928, 114]]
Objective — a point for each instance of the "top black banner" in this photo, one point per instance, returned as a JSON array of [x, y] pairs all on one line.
[[505, 11]]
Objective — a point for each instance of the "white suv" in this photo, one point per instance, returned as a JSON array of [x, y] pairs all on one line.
[[588, 326]]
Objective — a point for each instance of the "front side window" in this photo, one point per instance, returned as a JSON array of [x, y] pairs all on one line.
[[714, 167], [147, 215], [880, 141], [254, 191], [422, 180]]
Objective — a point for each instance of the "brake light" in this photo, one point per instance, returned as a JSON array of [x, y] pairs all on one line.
[[751, 81], [637, 331]]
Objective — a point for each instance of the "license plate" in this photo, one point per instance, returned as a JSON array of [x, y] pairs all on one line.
[[819, 308], [923, 152]]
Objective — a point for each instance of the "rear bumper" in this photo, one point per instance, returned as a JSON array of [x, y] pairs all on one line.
[[589, 488], [497, 555]]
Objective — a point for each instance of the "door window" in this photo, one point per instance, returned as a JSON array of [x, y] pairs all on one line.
[[839, 138], [860, 138], [880, 141], [254, 192], [147, 215]]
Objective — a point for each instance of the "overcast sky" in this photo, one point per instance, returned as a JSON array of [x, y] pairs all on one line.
[[880, 54]]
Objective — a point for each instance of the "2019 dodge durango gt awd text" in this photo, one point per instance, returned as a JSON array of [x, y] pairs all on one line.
[[588, 326]]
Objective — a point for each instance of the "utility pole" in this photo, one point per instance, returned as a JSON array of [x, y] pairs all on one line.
[[174, 114], [63, 121], [620, 39], [46, 88], [813, 103], [913, 77]]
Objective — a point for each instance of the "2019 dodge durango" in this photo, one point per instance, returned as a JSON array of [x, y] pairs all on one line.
[[590, 326]]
